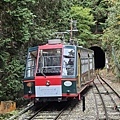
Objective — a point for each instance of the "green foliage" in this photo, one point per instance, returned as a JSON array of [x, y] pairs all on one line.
[[99, 9], [84, 21], [27, 23], [111, 37], [23, 17], [17, 29], [8, 115], [11, 80], [112, 33]]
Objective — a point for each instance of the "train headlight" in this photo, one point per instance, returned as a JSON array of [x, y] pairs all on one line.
[[47, 83], [68, 91], [29, 93], [29, 84]]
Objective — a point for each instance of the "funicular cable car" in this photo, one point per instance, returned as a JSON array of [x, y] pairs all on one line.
[[57, 71]]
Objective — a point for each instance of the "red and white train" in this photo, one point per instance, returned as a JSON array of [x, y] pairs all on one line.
[[57, 71]]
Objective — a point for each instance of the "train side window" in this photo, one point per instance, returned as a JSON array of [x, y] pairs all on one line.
[[31, 64]]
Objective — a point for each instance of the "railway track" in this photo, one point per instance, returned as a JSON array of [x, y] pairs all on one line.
[[24, 111], [49, 111], [107, 100], [54, 111], [102, 103]]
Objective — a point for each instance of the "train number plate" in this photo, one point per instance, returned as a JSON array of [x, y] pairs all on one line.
[[48, 91]]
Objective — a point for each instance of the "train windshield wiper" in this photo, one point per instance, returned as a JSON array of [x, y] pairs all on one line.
[[42, 72]]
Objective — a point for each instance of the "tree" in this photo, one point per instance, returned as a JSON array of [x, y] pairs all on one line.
[[111, 37], [16, 32], [84, 21], [25, 23]]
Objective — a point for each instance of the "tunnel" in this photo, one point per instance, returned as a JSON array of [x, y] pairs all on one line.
[[99, 57]]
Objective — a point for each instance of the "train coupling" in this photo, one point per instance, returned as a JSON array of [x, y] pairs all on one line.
[[59, 99]]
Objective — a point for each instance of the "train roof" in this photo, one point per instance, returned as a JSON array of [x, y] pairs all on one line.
[[58, 43], [87, 49]]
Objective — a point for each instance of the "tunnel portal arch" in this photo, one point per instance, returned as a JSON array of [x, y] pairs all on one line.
[[99, 57]]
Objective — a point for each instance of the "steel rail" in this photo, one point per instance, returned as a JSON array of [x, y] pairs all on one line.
[[106, 114], [110, 87], [115, 105], [73, 106], [35, 114], [60, 113], [96, 105], [21, 112]]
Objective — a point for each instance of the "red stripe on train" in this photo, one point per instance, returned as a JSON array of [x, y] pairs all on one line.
[[41, 81], [48, 46], [69, 95], [29, 96]]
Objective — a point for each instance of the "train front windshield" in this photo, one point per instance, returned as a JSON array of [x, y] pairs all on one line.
[[49, 62], [68, 61]]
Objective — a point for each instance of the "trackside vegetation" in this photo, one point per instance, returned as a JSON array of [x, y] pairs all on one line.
[[26, 23]]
